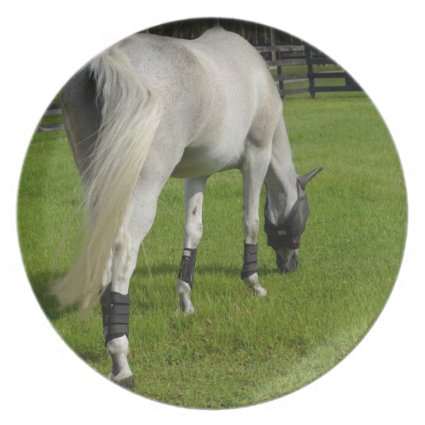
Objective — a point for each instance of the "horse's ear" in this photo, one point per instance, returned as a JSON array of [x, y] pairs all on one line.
[[303, 180]]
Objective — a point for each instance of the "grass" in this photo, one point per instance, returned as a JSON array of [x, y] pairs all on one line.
[[239, 350]]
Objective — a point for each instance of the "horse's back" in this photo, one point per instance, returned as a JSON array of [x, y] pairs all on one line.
[[242, 103], [216, 91], [218, 65]]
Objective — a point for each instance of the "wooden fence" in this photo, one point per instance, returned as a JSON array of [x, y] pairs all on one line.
[[315, 57], [311, 68]]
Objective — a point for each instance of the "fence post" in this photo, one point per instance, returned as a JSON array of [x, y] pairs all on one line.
[[276, 56], [309, 60]]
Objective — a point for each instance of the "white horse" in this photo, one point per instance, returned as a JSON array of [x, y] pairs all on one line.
[[152, 107]]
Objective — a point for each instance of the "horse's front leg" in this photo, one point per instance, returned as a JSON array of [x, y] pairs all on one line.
[[254, 170], [194, 195]]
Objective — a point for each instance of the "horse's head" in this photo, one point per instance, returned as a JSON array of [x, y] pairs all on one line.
[[284, 236]]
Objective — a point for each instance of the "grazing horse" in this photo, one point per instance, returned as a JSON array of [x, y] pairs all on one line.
[[152, 107]]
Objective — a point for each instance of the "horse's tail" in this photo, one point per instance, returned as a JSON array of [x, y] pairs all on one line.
[[130, 117]]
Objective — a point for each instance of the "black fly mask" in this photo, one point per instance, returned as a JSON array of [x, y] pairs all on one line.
[[288, 234]]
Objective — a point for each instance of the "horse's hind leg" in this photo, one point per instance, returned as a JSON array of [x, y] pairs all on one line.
[[194, 195], [115, 300]]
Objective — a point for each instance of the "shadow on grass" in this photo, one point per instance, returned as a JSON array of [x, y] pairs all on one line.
[[211, 268], [41, 285]]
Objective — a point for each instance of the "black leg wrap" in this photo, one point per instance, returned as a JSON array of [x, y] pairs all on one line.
[[250, 260], [115, 314], [187, 266]]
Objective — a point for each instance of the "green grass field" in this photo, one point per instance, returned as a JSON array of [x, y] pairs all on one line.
[[238, 349]]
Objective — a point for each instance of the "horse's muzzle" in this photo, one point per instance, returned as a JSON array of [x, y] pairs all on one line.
[[287, 260]]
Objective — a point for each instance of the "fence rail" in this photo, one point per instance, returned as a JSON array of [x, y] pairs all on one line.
[[309, 66]]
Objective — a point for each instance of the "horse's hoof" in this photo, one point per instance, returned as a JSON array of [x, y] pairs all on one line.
[[126, 382], [259, 291], [188, 311], [253, 284], [186, 306]]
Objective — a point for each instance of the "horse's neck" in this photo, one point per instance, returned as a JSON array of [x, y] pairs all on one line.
[[281, 178]]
